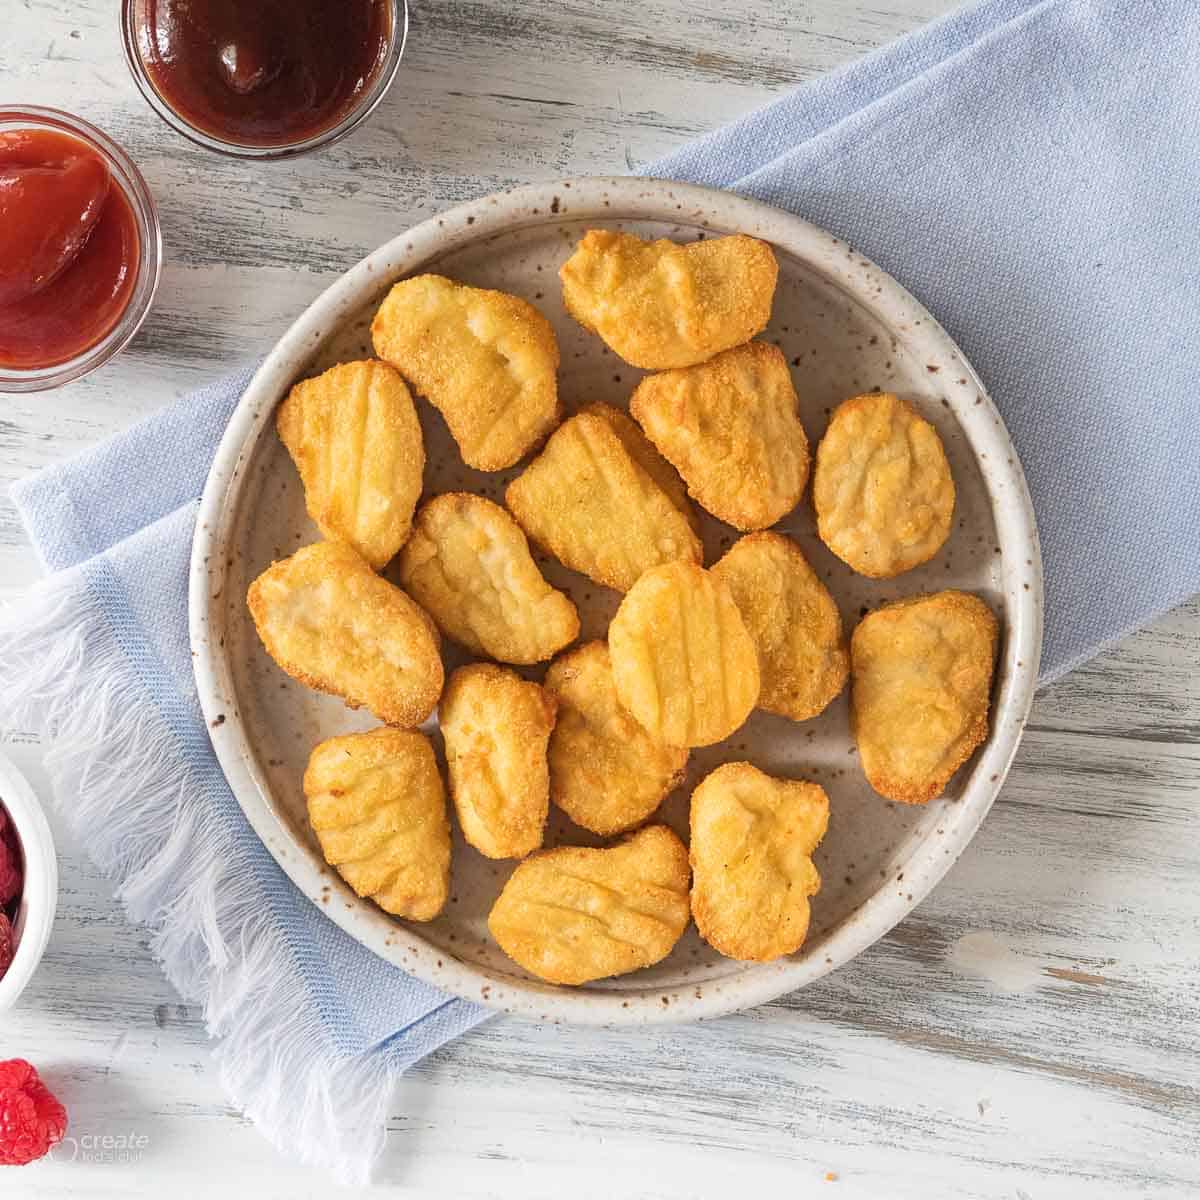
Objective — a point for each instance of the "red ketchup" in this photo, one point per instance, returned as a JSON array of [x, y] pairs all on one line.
[[69, 248], [270, 73]]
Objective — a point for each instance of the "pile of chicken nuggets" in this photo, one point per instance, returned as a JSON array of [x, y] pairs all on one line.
[[692, 650]]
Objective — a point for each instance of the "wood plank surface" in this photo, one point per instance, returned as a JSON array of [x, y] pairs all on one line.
[[1030, 1032]]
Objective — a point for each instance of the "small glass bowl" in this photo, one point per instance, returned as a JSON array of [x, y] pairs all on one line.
[[366, 105], [126, 175]]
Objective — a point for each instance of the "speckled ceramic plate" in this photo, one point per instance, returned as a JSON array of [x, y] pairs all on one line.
[[846, 327]]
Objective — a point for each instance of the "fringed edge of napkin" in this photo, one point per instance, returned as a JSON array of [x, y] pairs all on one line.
[[112, 764]]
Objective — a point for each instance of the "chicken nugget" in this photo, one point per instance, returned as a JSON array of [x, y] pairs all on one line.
[[329, 621], [882, 487], [752, 870], [592, 502], [641, 449], [486, 360], [795, 624], [468, 565], [354, 436], [573, 914], [376, 804], [606, 772], [920, 680], [729, 427], [683, 661], [496, 726], [661, 304]]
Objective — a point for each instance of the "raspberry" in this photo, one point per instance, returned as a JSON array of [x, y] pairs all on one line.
[[6, 943], [31, 1119], [10, 861], [10, 875]]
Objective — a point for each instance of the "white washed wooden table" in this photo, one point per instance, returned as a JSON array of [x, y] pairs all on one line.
[[1030, 1032]]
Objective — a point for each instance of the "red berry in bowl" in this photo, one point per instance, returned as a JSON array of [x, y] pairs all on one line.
[[31, 1119], [10, 873], [10, 861], [7, 950]]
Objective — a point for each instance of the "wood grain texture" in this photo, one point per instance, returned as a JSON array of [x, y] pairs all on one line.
[[1029, 1032]]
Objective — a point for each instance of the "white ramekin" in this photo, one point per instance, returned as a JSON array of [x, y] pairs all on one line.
[[39, 896]]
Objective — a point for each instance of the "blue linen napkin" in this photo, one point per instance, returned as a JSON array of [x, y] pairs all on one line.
[[1028, 169]]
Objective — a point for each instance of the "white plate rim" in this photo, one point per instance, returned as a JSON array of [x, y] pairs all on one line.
[[616, 198]]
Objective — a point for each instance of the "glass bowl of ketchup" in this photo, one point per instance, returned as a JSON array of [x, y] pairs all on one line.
[[267, 79], [80, 248]]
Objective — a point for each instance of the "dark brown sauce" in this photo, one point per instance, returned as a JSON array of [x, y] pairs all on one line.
[[263, 73]]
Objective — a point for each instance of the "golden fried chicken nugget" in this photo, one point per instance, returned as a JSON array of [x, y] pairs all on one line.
[[793, 620], [572, 914], [376, 804], [752, 870], [683, 661], [329, 621], [641, 449], [354, 436], [468, 565], [592, 503], [606, 772], [920, 679], [661, 304], [496, 726], [486, 360], [882, 487], [729, 427]]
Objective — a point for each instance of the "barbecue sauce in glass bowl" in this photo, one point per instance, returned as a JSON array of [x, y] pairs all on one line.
[[263, 76]]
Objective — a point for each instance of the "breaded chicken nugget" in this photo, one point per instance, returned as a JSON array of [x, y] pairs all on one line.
[[639, 447], [468, 565], [572, 914], [356, 441], [921, 676], [683, 661], [328, 620], [882, 487], [661, 304], [729, 427], [606, 772], [793, 620], [486, 360], [752, 870], [592, 502], [376, 804], [496, 726]]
